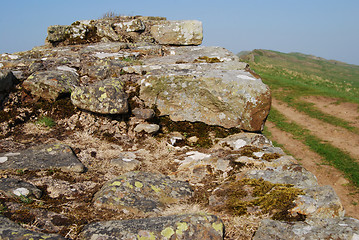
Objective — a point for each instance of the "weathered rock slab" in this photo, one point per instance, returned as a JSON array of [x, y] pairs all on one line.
[[11, 230], [105, 97], [288, 174], [331, 228], [46, 156], [319, 202], [189, 227], [187, 32], [11, 187], [51, 84], [225, 98], [141, 191]]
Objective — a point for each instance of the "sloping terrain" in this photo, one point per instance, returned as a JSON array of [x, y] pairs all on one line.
[[315, 115]]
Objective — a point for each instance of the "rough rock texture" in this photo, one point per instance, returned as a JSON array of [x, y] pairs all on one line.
[[189, 227], [148, 128], [319, 202], [44, 220], [141, 191], [128, 29], [50, 84], [125, 86], [11, 187], [11, 230], [217, 91], [178, 32], [7, 81], [330, 228], [42, 157], [105, 97]]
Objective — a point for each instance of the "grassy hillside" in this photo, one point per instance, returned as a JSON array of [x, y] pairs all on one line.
[[301, 74], [293, 76]]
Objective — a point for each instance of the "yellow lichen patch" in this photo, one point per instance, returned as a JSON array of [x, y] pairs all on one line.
[[181, 227], [155, 188], [127, 184], [113, 111], [102, 97], [138, 184], [217, 226], [167, 232], [116, 183], [49, 149]]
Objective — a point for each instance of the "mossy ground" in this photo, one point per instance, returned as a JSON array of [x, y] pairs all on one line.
[[257, 195]]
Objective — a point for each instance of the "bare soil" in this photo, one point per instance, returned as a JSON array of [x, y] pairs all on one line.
[[344, 110], [338, 137]]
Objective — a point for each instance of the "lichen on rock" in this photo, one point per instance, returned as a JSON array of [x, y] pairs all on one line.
[[106, 97]]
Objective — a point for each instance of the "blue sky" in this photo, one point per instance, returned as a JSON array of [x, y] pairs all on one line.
[[324, 28]]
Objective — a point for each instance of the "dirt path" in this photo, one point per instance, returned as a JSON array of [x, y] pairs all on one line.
[[325, 174], [346, 111], [337, 136]]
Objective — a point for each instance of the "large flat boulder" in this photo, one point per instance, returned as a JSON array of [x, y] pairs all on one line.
[[44, 156], [230, 98], [141, 191], [51, 84], [181, 227]]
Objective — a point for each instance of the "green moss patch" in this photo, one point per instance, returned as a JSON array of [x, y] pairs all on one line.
[[248, 195]]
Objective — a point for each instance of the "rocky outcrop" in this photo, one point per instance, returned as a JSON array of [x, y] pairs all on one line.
[[148, 140], [128, 29]]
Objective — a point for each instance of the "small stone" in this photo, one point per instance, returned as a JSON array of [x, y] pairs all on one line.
[[143, 113], [126, 161], [175, 137], [21, 192], [148, 128], [193, 139]]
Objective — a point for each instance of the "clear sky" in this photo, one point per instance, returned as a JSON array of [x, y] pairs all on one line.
[[324, 28]]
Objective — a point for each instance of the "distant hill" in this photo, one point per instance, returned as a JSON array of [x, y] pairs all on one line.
[[304, 74]]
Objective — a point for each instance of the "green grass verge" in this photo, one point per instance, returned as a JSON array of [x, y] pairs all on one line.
[[330, 154], [294, 75]]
